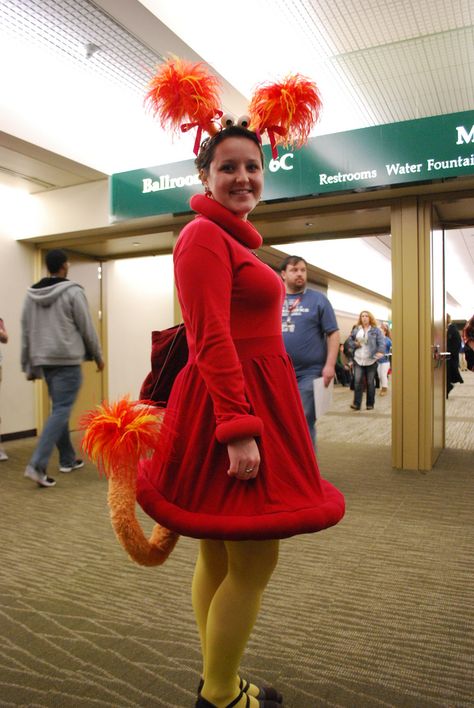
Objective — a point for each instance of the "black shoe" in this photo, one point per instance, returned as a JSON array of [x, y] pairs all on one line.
[[266, 693], [370, 408], [202, 703], [355, 408]]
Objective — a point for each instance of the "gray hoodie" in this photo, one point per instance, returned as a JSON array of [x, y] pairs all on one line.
[[57, 328]]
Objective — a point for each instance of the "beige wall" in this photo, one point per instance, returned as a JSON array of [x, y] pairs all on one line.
[[17, 400], [138, 298], [352, 305], [85, 206]]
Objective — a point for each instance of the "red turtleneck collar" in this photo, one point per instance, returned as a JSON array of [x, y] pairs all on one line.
[[242, 230]]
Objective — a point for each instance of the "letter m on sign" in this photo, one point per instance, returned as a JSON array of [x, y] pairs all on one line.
[[464, 136]]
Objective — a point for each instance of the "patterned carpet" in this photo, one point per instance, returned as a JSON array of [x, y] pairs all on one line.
[[376, 612], [341, 424]]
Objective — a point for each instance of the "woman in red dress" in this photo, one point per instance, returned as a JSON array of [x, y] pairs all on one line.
[[236, 467]]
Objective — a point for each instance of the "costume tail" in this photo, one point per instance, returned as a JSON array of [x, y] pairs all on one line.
[[117, 435]]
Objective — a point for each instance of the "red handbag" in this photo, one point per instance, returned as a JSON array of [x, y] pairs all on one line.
[[169, 354]]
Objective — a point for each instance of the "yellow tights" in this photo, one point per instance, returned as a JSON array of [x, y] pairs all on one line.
[[228, 584]]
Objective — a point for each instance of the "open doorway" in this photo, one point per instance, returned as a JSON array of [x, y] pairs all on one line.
[[459, 265], [355, 274], [350, 258]]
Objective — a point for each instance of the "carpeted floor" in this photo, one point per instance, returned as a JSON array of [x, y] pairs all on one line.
[[341, 424], [376, 612]]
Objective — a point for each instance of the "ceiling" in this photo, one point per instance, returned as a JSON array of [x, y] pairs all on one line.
[[71, 99]]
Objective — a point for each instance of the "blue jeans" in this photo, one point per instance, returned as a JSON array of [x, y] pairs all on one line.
[[305, 386], [63, 384], [364, 374]]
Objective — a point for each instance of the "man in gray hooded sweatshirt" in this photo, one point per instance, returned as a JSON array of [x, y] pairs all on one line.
[[57, 335]]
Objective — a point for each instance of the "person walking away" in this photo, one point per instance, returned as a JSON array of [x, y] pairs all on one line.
[[57, 335], [310, 332], [383, 364], [367, 344], [453, 346], [3, 340]]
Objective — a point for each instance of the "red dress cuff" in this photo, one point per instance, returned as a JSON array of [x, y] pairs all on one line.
[[248, 426]]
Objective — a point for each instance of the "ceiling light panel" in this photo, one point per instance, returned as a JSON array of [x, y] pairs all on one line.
[[415, 78], [86, 34], [397, 59], [349, 25]]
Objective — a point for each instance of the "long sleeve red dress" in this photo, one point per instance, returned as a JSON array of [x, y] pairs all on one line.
[[238, 382]]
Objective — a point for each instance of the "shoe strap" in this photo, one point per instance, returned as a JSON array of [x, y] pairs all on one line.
[[244, 685], [236, 700]]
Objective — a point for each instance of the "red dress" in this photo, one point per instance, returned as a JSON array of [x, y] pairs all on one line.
[[238, 382]]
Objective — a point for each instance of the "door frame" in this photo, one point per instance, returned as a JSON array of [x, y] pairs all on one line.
[[418, 402]]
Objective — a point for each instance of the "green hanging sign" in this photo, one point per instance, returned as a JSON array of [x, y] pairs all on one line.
[[427, 149]]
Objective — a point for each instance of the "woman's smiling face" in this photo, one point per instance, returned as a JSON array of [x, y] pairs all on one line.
[[235, 177]]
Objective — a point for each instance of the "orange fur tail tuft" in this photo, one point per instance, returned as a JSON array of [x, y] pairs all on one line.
[[116, 436]]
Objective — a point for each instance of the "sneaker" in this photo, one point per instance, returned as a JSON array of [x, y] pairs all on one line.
[[355, 408], [370, 408], [77, 464], [39, 476], [3, 455]]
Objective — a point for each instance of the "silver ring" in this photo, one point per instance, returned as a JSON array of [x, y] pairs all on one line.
[[249, 469]]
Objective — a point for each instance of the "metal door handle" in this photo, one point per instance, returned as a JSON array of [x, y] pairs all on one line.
[[438, 356]]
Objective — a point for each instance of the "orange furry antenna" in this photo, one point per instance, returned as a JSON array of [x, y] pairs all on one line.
[[117, 435], [287, 110], [184, 95]]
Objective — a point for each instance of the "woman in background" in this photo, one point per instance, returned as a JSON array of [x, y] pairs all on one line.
[[367, 346]]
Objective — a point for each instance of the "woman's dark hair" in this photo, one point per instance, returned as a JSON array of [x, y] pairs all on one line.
[[208, 146]]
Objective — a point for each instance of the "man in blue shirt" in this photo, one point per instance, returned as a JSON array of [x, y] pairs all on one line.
[[310, 332]]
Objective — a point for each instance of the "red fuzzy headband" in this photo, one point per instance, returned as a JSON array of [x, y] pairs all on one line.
[[184, 95]]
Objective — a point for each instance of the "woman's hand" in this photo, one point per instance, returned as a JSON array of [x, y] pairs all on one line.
[[244, 458]]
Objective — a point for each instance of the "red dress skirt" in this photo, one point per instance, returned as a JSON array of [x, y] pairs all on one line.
[[238, 382]]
